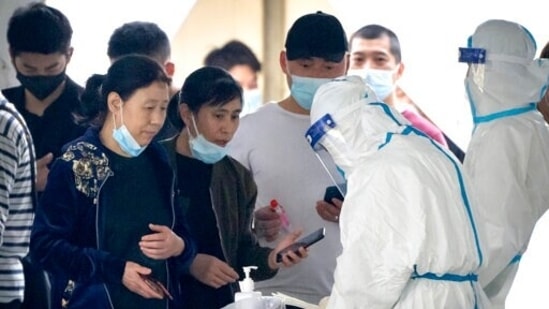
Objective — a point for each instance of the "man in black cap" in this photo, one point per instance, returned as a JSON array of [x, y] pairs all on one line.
[[271, 143]]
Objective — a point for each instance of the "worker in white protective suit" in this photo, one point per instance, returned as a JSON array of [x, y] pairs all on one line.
[[507, 159], [408, 228]]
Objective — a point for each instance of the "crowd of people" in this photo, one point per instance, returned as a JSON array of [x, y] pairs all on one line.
[[132, 192]]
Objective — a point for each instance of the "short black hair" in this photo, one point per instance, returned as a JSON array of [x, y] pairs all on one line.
[[209, 85], [139, 37], [231, 54], [38, 28], [373, 31]]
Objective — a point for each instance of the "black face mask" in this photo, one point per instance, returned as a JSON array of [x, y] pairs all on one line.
[[41, 86]]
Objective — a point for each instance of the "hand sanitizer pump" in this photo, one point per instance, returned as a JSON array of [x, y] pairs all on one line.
[[247, 291]]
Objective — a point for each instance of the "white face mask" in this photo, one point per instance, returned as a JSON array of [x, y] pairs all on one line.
[[381, 81]]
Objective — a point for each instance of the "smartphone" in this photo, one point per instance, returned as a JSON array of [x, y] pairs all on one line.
[[156, 285], [332, 192], [303, 242]]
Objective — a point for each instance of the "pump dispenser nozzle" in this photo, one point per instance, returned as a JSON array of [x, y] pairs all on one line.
[[247, 284]]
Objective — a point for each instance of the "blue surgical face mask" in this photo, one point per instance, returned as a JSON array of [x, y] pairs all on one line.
[[303, 89], [252, 101], [381, 81], [204, 150], [125, 139]]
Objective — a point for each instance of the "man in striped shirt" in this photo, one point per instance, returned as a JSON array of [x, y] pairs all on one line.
[[16, 202]]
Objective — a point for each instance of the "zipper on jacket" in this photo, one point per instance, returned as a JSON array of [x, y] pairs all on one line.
[[96, 202], [224, 251]]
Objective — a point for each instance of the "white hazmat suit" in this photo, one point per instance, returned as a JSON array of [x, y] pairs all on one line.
[[407, 226], [507, 159]]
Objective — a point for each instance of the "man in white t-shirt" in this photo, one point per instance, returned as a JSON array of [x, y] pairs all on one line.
[[271, 143]]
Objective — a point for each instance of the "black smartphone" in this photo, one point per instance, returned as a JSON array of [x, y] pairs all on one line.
[[304, 242], [332, 192], [157, 286]]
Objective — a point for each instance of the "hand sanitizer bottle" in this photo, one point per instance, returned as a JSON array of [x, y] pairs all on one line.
[[247, 298]]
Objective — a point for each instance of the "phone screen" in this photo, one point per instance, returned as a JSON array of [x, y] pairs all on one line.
[[305, 242]]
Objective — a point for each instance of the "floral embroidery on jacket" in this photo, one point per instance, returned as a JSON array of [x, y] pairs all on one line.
[[90, 167]]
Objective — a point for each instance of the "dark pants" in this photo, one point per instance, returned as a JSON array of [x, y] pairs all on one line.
[[16, 304]]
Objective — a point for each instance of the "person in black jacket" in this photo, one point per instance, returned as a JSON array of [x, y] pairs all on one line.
[[107, 227], [39, 38]]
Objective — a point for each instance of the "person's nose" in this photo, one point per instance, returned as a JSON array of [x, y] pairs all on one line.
[[229, 126], [158, 117], [367, 64]]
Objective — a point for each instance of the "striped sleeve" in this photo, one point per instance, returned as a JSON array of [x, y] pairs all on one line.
[[16, 209]]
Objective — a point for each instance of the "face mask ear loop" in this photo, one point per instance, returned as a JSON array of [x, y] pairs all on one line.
[[194, 125], [121, 118]]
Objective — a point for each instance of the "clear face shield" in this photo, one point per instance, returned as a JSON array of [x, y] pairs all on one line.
[[475, 58], [330, 146]]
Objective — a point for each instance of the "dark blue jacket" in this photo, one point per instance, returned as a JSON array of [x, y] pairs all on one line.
[[67, 231]]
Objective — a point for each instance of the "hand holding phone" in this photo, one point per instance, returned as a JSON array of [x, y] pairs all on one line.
[[304, 242], [156, 285], [332, 192]]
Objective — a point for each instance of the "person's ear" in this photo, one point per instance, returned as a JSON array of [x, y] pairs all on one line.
[[347, 62], [186, 114], [114, 102], [69, 54], [399, 71], [283, 62], [170, 68]]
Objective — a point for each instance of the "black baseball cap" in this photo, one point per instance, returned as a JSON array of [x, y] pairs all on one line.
[[316, 35]]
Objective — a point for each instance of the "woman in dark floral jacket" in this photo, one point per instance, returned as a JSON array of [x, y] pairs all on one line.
[[106, 228]]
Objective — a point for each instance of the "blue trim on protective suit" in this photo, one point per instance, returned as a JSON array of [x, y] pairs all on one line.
[[387, 140], [445, 277], [516, 259], [449, 277], [505, 113], [497, 115], [387, 111]]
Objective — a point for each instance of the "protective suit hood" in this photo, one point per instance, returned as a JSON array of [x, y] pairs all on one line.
[[362, 121], [508, 77]]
